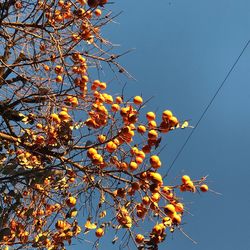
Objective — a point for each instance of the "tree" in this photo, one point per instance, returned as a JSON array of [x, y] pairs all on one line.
[[69, 146]]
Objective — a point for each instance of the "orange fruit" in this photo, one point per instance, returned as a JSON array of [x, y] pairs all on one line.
[[98, 12], [146, 200], [115, 107], [169, 209], [204, 188], [71, 201], [133, 166], [166, 114], [154, 161], [141, 129], [176, 218], [156, 178], [139, 238], [185, 178], [152, 134], [179, 207], [150, 116], [99, 232], [138, 100], [173, 121], [59, 78], [118, 100]]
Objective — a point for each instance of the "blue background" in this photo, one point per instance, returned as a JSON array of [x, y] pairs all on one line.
[[183, 51]]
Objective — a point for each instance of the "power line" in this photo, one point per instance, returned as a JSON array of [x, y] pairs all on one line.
[[207, 107]]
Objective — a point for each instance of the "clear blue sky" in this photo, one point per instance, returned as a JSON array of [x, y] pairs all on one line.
[[184, 49]]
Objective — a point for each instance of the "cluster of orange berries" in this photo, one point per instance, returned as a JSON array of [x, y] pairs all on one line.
[[171, 213], [67, 10], [189, 185]]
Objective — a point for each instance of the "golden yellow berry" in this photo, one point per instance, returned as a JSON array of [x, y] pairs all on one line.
[[133, 166], [151, 116], [138, 100], [204, 188], [141, 129], [99, 232], [169, 209], [71, 201], [185, 178], [166, 114], [139, 238]]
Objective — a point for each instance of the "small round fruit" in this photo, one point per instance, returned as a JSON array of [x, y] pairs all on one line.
[[185, 179], [151, 116], [176, 218], [71, 201], [166, 114], [98, 12], [99, 232], [138, 100], [133, 166], [59, 78], [169, 209], [204, 188], [139, 238], [179, 207], [141, 129]]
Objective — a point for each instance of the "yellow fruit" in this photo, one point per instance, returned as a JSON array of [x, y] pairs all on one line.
[[152, 134], [133, 166], [155, 197], [141, 129], [101, 138], [98, 12], [99, 232], [154, 161], [167, 221], [169, 209], [152, 124], [190, 186], [111, 146], [166, 114], [97, 159], [179, 207], [173, 121], [204, 188], [176, 218], [64, 116], [91, 152], [156, 178], [115, 107], [139, 238], [59, 78], [158, 229], [39, 125], [60, 224], [102, 85], [138, 100], [71, 201], [118, 100], [55, 118], [185, 178], [146, 200], [151, 116]]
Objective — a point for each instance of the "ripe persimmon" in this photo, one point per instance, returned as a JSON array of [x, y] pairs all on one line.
[[138, 100], [99, 232], [151, 116], [139, 238], [204, 188]]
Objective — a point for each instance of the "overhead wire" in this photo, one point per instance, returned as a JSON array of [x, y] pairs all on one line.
[[207, 107]]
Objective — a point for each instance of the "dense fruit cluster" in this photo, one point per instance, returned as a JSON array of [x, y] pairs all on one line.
[[70, 145]]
